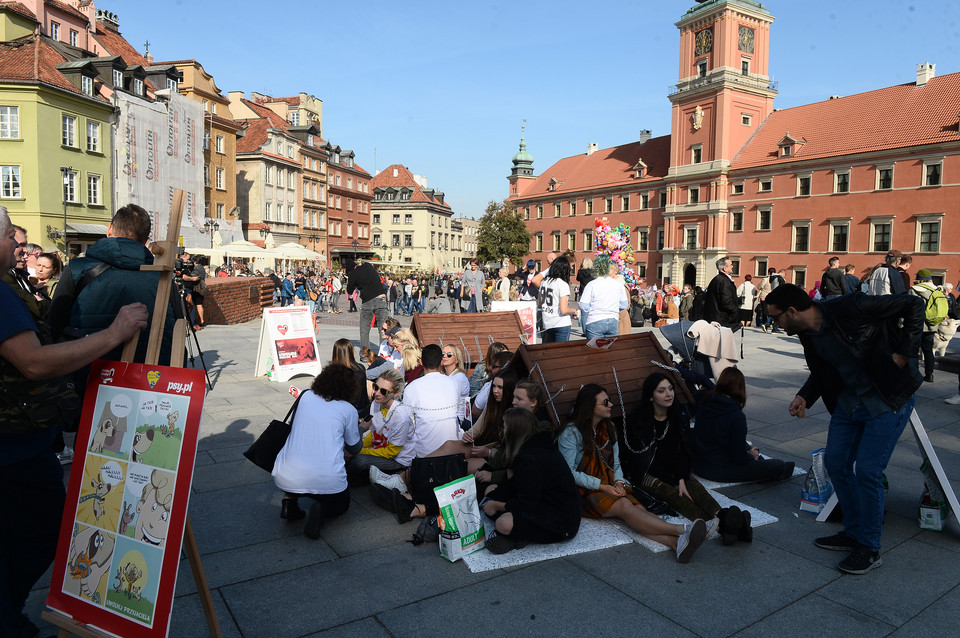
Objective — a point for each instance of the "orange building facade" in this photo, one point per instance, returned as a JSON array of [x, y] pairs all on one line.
[[850, 176]]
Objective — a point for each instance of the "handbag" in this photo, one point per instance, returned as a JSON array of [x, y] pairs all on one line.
[[263, 452], [429, 472]]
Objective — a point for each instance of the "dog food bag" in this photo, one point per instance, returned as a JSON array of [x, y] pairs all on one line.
[[461, 528], [817, 487], [934, 509]]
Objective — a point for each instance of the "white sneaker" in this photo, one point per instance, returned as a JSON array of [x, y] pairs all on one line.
[[712, 526], [691, 540], [66, 456], [389, 481], [954, 400]]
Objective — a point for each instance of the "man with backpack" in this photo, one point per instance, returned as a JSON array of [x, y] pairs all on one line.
[[935, 311]]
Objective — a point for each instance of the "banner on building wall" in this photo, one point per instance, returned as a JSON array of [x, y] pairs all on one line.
[[159, 147], [119, 548], [288, 344], [528, 315]]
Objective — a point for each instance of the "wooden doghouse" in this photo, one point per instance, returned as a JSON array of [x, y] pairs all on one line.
[[472, 332], [564, 367]]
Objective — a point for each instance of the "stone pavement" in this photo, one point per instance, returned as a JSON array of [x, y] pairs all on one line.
[[362, 579]]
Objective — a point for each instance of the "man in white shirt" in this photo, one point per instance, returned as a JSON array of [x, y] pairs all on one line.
[[434, 400]]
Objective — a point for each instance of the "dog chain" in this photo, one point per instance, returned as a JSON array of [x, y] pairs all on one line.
[[550, 399]]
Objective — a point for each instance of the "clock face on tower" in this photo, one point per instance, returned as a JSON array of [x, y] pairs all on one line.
[[745, 39], [704, 42]]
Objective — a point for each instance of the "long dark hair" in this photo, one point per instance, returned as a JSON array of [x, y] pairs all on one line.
[[640, 431], [518, 426], [582, 414], [492, 426], [730, 384], [559, 269]]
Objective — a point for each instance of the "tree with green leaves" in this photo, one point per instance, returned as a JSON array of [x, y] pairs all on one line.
[[503, 234]]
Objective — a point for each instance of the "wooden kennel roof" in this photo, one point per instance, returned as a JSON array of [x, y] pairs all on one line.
[[473, 332]]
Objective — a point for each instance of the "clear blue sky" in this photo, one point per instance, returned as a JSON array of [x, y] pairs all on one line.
[[443, 87]]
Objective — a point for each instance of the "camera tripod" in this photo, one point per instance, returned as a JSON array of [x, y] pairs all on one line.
[[181, 295]]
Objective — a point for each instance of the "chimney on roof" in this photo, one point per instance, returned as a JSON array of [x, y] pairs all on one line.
[[925, 73], [591, 148], [109, 18], [396, 172], [645, 136]]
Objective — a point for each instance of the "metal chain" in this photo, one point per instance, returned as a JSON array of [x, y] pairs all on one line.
[[550, 402]]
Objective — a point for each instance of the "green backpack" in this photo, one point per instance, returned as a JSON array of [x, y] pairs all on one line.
[[937, 306]]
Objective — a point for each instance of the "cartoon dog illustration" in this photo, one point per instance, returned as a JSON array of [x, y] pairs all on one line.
[[100, 492], [136, 593], [141, 443], [104, 430], [90, 554], [126, 518]]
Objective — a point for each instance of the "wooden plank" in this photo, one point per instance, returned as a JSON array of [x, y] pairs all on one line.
[[572, 364], [471, 328]]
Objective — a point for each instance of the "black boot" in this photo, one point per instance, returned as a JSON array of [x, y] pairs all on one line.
[[290, 511], [746, 532], [731, 520], [314, 521]]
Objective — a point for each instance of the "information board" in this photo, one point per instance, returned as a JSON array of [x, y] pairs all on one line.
[[288, 344], [119, 546]]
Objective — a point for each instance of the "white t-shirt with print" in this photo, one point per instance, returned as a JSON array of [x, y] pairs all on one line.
[[551, 291]]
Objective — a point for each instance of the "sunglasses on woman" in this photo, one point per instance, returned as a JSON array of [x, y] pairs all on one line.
[[382, 391], [448, 355], [606, 402]]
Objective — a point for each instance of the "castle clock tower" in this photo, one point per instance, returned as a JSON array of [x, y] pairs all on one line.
[[723, 94]]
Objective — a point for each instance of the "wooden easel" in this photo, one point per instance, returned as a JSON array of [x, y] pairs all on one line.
[[163, 263]]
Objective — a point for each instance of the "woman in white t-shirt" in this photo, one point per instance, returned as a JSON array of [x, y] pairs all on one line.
[[554, 300], [311, 462], [452, 366], [602, 300], [747, 294]]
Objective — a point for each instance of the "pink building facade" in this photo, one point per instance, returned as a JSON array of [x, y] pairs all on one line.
[[850, 176]]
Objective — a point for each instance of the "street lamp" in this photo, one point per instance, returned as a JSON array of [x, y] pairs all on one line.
[[211, 226], [355, 244], [313, 238], [65, 172], [264, 231]]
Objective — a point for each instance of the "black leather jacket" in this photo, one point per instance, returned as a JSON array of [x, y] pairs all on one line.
[[874, 328]]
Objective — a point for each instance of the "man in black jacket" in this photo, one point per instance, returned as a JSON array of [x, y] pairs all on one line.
[[863, 364], [721, 303], [832, 283], [373, 298]]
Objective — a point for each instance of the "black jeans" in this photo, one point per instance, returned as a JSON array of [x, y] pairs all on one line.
[[926, 347], [333, 504]]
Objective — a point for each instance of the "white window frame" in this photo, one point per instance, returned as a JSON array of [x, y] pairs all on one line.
[[884, 220], [878, 177], [10, 184], [927, 164], [86, 85], [117, 78], [800, 223], [836, 180], [55, 30], [138, 86], [800, 178], [74, 36], [70, 187], [737, 188], [266, 211], [206, 175], [93, 136], [764, 209], [834, 224], [172, 84], [929, 218], [624, 202], [748, 62], [746, 119], [761, 181], [9, 122], [587, 240], [220, 210], [691, 228], [219, 179], [693, 195], [694, 151], [68, 130], [761, 263], [94, 196], [220, 144], [736, 213]]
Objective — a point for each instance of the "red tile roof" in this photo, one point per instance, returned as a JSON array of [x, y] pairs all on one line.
[[18, 8], [292, 101], [275, 120], [404, 179], [33, 58], [66, 8], [878, 120], [603, 168], [255, 135], [116, 44]]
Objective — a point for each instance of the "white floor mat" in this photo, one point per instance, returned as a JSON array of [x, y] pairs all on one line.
[[593, 535]]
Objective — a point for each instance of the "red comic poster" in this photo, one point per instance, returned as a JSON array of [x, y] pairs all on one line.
[[119, 547]]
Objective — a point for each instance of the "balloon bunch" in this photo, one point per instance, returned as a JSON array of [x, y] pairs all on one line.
[[615, 243]]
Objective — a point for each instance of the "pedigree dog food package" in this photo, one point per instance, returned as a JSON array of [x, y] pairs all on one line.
[[817, 488], [461, 528]]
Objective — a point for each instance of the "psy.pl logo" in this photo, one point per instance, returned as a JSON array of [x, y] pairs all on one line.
[[152, 377], [282, 329]]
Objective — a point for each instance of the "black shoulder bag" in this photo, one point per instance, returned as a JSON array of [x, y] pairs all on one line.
[[263, 452]]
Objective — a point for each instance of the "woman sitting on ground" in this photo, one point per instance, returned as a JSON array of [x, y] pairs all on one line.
[[311, 462], [479, 375], [388, 429], [718, 443], [387, 330], [540, 503], [343, 355], [654, 453], [589, 445], [452, 366]]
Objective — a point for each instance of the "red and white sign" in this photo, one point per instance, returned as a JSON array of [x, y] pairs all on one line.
[[288, 344], [119, 547], [528, 315]]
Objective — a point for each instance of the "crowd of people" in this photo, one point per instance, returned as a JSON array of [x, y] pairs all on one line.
[[374, 419]]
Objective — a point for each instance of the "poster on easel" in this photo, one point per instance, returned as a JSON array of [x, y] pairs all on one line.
[[528, 315], [123, 524], [288, 344]]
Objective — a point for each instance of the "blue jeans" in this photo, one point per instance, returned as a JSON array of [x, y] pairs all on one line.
[[554, 335], [603, 328], [868, 442]]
